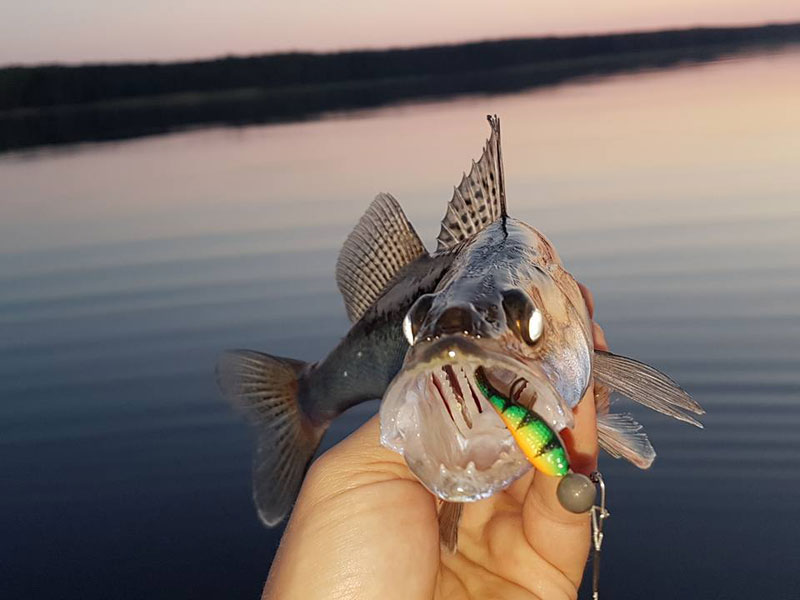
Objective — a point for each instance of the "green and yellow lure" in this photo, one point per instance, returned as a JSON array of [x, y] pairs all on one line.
[[540, 444]]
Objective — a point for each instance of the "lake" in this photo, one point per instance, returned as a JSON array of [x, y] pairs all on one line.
[[126, 268]]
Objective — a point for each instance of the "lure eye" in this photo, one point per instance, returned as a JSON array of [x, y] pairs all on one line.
[[415, 316], [523, 316]]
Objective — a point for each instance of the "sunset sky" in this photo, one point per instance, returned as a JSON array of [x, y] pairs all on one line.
[[102, 31]]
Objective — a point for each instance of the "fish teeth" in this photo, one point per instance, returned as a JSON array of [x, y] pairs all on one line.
[[469, 379], [455, 388], [442, 390]]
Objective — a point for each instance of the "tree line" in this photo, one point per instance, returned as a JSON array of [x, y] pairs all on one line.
[[40, 87]]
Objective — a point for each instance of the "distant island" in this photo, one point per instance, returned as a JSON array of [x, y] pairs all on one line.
[[55, 104]]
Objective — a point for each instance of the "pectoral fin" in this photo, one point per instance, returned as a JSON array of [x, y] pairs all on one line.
[[645, 385]]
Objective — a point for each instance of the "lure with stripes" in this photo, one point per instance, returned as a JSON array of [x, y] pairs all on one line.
[[540, 444]]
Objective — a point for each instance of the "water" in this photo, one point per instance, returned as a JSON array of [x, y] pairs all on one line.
[[126, 268]]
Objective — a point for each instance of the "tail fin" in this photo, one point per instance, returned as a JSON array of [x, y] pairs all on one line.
[[265, 389]]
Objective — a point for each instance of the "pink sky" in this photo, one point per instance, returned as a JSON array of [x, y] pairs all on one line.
[[98, 30]]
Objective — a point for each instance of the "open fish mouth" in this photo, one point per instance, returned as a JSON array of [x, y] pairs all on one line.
[[452, 438]]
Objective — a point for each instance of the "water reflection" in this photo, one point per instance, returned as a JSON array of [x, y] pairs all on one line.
[[53, 105], [125, 268]]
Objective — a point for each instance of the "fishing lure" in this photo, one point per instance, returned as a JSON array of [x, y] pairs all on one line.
[[540, 444], [544, 449]]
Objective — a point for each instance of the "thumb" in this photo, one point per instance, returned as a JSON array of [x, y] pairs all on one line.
[[557, 535], [356, 461], [362, 523]]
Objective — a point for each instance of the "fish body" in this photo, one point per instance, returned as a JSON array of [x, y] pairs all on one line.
[[480, 352]]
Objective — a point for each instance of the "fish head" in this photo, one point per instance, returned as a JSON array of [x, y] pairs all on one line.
[[502, 312]]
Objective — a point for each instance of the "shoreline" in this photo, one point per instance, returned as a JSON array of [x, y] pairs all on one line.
[[376, 79]]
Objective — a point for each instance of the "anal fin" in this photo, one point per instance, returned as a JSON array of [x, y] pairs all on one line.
[[622, 437]]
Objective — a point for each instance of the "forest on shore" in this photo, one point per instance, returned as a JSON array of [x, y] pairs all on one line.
[[54, 104]]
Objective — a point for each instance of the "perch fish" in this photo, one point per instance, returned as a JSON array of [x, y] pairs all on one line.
[[480, 351]]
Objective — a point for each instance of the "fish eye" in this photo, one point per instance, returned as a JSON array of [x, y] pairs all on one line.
[[407, 329], [535, 325], [415, 316], [523, 316]]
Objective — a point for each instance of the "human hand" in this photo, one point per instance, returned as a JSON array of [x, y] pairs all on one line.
[[365, 527]]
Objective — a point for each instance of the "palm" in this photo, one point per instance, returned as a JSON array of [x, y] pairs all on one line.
[[498, 554], [364, 527]]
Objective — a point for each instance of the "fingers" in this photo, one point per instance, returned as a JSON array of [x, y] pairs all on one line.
[[599, 335], [581, 441], [588, 298], [597, 331], [559, 536]]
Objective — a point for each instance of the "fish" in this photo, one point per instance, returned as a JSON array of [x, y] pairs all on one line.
[[479, 351]]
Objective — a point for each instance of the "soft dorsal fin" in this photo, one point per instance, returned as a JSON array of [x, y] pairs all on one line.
[[479, 200], [382, 243]]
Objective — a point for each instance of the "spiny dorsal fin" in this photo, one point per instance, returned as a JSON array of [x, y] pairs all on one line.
[[479, 200], [382, 243]]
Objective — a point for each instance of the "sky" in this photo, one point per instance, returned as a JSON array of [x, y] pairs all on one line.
[[37, 31]]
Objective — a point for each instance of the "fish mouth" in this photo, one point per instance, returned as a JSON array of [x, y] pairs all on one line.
[[453, 440]]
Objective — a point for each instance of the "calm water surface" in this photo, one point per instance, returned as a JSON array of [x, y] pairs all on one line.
[[126, 268]]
